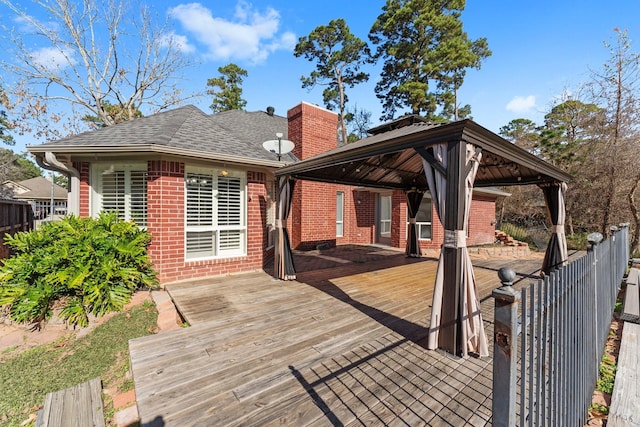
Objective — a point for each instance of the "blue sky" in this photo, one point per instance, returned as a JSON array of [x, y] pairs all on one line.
[[540, 48]]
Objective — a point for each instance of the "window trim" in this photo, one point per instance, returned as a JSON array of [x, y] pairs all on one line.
[[97, 187], [215, 228], [385, 223], [421, 224], [340, 213]]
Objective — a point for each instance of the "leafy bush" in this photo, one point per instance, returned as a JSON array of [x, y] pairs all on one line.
[[80, 265]]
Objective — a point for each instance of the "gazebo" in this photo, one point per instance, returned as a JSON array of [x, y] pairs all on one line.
[[447, 160]]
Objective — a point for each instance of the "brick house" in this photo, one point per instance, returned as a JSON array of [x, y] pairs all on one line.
[[204, 187]]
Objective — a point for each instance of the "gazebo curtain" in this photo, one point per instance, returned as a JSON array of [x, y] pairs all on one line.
[[414, 198], [472, 337], [556, 254], [283, 257]]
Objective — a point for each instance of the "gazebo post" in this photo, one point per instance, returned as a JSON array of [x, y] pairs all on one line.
[[452, 255]]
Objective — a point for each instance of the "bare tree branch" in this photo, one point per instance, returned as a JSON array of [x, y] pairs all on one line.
[[89, 55]]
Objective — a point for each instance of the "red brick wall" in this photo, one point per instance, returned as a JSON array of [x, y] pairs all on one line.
[[165, 195], [165, 219], [313, 210], [482, 221], [85, 188], [398, 219], [481, 224], [359, 218]]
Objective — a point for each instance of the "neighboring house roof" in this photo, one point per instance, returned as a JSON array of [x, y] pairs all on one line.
[[38, 188], [234, 136]]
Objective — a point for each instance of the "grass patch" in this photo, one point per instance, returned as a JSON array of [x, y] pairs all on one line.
[[27, 377], [607, 375], [577, 241]]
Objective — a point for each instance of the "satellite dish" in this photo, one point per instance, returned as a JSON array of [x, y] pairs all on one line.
[[278, 146]]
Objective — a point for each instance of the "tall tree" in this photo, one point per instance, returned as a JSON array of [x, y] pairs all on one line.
[[570, 132], [358, 121], [16, 167], [426, 54], [524, 206], [80, 56], [522, 132], [617, 89], [117, 113], [227, 89], [338, 55], [5, 125]]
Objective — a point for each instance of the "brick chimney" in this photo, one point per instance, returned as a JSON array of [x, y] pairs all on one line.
[[313, 130]]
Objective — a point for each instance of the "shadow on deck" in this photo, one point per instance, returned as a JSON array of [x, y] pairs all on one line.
[[340, 346]]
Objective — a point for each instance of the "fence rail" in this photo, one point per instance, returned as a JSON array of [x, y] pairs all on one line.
[[14, 216], [550, 335]]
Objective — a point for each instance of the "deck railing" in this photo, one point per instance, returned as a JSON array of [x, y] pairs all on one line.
[[550, 335], [14, 216]]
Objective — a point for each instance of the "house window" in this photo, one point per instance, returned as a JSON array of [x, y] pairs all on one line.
[[270, 225], [385, 216], [423, 219], [122, 189], [215, 214], [339, 214]]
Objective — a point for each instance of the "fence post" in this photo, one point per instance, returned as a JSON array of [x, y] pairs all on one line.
[[505, 339], [594, 240]]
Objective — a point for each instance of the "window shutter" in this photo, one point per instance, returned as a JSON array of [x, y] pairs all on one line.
[[229, 211], [199, 199], [229, 203], [138, 192], [113, 192]]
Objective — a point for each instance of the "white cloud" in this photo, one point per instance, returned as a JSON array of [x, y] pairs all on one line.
[[250, 35], [32, 25], [52, 58], [178, 41], [521, 104]]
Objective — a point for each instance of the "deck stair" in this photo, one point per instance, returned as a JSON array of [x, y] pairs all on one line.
[[77, 406]]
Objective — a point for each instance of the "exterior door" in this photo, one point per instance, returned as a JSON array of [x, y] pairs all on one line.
[[383, 235]]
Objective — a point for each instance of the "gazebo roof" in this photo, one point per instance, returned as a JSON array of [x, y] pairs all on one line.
[[391, 160]]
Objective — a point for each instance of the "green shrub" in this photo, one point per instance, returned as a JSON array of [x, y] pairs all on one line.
[[80, 265]]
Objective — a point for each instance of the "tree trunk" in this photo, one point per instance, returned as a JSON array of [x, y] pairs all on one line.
[[604, 228], [635, 240], [570, 224], [343, 126]]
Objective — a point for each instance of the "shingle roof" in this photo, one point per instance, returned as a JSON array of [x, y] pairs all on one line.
[[236, 133], [40, 188]]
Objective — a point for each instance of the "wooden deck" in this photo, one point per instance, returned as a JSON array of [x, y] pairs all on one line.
[[341, 346]]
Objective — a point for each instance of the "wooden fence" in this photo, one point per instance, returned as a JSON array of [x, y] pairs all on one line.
[[549, 337], [14, 216]]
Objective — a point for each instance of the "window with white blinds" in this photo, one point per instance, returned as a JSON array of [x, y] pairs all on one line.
[[121, 189], [215, 214]]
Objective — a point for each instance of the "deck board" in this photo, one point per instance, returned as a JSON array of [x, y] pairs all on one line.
[[341, 345]]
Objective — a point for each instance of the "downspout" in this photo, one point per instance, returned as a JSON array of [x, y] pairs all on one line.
[[50, 162]]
